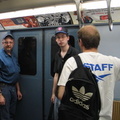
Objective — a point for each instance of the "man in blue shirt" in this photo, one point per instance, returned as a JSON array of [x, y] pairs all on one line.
[[9, 75]]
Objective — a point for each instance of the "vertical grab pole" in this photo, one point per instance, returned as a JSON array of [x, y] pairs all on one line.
[[110, 22], [78, 5]]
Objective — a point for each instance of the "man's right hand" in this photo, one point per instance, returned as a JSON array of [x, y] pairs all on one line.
[[2, 99], [53, 98]]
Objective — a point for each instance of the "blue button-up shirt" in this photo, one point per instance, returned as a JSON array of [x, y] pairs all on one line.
[[9, 68]]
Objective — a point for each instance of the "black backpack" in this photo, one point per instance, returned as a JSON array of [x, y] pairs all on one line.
[[81, 99]]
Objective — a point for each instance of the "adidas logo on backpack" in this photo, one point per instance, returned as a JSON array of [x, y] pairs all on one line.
[[80, 97], [81, 100]]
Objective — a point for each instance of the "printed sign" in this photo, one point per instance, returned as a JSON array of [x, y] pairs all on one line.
[[97, 15], [54, 19], [21, 22]]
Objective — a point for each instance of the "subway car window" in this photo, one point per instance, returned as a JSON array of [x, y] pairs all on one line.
[[27, 55], [71, 41], [55, 48]]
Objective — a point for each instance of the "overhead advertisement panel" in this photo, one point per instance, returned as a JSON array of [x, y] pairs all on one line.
[[21, 22], [97, 15], [55, 19]]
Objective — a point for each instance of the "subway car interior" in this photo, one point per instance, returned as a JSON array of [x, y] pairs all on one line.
[[34, 33]]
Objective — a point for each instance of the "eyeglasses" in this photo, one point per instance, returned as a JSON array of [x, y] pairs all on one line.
[[62, 36], [8, 42]]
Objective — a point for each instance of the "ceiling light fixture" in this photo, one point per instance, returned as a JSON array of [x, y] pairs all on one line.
[[57, 9]]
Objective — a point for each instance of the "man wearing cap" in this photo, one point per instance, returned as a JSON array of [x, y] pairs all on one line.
[[65, 52], [9, 75]]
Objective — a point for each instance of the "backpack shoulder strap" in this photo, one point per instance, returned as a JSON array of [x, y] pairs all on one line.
[[78, 61]]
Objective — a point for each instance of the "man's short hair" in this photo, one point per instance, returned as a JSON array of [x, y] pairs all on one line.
[[90, 36]]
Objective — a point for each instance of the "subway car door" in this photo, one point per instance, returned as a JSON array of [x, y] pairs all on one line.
[[28, 48], [51, 48]]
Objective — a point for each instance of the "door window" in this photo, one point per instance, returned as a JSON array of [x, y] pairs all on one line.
[[27, 55]]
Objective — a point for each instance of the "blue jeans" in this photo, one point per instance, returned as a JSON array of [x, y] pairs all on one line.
[[56, 106], [7, 111]]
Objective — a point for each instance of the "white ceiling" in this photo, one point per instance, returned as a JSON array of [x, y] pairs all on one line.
[[12, 5]]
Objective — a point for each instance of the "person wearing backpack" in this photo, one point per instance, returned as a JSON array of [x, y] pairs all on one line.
[[106, 70], [65, 52]]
